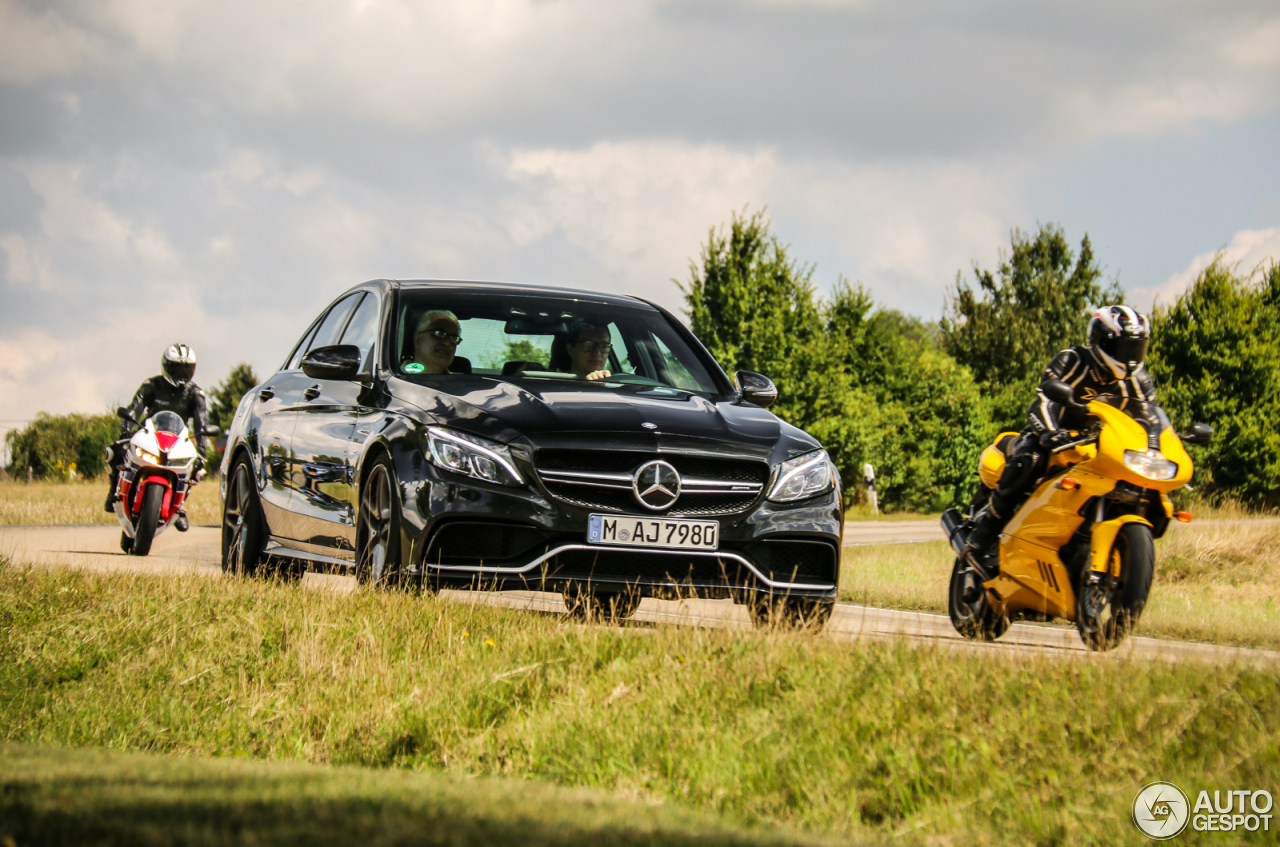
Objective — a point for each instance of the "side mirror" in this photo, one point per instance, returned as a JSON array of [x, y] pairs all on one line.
[[1060, 393], [337, 361], [123, 414], [756, 389], [213, 431], [1198, 434]]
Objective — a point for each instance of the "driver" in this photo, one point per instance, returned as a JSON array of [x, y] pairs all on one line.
[[1112, 363], [435, 340], [589, 348], [172, 391]]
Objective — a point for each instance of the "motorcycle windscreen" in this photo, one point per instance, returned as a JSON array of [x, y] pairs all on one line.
[[1151, 417], [167, 422]]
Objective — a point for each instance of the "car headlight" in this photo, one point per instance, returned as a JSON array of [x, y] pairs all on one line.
[[147, 456], [472, 456], [802, 477], [1150, 464]]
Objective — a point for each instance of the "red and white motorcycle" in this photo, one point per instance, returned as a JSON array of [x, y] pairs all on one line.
[[156, 476]]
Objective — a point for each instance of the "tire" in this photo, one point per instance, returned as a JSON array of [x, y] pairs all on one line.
[[608, 607], [378, 529], [790, 613], [1108, 609], [148, 519], [970, 610], [244, 535]]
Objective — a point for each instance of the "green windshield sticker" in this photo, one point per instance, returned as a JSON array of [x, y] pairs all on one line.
[[413, 368]]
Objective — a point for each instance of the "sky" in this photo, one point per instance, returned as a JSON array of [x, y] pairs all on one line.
[[216, 173]]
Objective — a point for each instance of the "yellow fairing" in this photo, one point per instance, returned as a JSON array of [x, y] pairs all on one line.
[[1104, 538], [992, 462], [1122, 433]]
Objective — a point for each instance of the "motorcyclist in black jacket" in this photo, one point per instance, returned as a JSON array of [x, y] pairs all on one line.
[[173, 391], [1112, 363]]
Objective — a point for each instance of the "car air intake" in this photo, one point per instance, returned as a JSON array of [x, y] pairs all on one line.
[[794, 560], [476, 542]]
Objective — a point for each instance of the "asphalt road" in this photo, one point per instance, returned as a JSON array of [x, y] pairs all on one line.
[[97, 548]]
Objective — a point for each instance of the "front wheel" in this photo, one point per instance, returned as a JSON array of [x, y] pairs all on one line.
[[378, 529], [970, 609], [243, 526], [148, 519], [1108, 607]]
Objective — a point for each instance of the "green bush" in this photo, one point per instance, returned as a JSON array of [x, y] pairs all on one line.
[[1215, 355], [57, 446]]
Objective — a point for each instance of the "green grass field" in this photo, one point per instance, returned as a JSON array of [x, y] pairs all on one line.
[[871, 742], [1216, 582]]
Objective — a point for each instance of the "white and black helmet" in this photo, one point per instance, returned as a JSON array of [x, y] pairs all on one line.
[[178, 364], [1119, 338]]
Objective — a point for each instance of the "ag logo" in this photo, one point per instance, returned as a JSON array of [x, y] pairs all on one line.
[[1161, 810], [656, 485]]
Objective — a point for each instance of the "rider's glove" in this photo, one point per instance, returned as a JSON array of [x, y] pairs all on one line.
[[1055, 439], [198, 473]]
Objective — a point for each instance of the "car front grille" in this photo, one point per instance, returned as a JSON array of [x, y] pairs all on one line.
[[601, 480], [631, 566]]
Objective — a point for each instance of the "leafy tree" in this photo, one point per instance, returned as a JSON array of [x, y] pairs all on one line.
[[871, 385], [1215, 356], [520, 350], [53, 445], [1036, 303], [225, 396]]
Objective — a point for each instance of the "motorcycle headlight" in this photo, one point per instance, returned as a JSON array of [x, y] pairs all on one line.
[[1150, 464], [802, 477], [147, 456], [472, 456]]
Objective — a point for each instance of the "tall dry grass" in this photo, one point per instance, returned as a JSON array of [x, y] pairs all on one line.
[[1216, 580], [80, 502]]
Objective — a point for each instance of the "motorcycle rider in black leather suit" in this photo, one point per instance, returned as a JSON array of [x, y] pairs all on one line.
[[1111, 364], [173, 391]]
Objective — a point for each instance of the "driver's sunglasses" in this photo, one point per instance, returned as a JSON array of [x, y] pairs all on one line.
[[443, 336], [596, 346]]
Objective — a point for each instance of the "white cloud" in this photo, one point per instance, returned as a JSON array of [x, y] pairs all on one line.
[[1249, 250], [35, 46]]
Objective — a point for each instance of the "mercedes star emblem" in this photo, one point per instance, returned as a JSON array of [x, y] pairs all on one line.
[[649, 425], [656, 485]]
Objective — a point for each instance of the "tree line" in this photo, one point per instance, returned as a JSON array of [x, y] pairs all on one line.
[[916, 399], [920, 400]]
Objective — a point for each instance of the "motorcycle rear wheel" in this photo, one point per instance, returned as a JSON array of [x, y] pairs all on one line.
[[1107, 609], [148, 519], [970, 610]]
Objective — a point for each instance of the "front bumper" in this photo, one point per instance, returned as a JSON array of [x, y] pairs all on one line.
[[469, 534]]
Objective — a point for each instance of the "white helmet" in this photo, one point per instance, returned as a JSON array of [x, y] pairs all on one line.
[[1119, 338], [178, 364]]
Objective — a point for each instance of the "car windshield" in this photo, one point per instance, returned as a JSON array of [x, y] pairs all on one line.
[[521, 337], [1151, 416], [166, 422]]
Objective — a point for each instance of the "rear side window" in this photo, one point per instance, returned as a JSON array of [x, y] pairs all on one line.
[[362, 329]]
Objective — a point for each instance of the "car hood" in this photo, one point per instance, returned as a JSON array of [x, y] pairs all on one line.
[[548, 413]]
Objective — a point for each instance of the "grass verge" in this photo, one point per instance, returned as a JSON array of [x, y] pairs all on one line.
[[55, 796], [865, 741], [1217, 582], [80, 502]]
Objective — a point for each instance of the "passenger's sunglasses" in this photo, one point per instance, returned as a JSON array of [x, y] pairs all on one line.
[[596, 346], [443, 336]]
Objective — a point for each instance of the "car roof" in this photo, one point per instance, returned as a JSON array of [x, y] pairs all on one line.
[[477, 287]]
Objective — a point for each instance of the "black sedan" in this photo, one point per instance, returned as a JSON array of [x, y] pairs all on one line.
[[487, 436]]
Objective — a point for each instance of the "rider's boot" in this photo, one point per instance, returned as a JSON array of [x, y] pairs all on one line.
[[180, 523], [982, 543], [110, 505]]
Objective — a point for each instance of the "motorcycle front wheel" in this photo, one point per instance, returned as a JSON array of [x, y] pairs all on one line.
[[970, 611], [1108, 607], [148, 519]]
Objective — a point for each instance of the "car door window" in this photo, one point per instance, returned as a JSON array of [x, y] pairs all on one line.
[[295, 358], [330, 328], [362, 329]]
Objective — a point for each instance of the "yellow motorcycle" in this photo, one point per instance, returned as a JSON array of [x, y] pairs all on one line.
[[1081, 547]]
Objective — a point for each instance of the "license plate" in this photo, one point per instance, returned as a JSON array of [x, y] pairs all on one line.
[[653, 532]]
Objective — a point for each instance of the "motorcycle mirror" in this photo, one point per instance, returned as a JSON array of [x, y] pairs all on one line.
[[756, 389], [213, 431], [122, 412], [1061, 393], [1200, 433]]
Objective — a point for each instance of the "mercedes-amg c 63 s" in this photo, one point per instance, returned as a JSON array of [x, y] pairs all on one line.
[[497, 437]]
